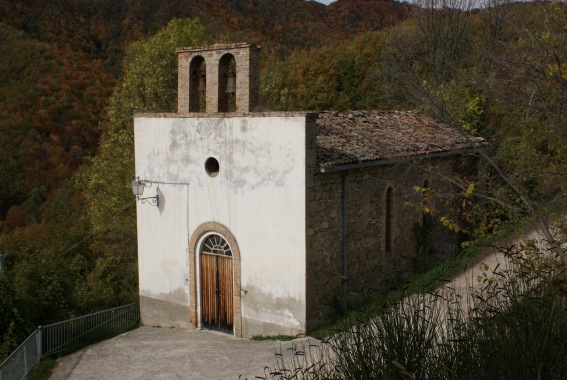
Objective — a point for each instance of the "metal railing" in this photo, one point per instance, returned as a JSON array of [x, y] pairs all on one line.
[[68, 335], [22, 360], [79, 331]]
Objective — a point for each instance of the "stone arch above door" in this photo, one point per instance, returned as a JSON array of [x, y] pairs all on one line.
[[202, 230]]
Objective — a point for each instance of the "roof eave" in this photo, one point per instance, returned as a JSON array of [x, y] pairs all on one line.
[[388, 161]]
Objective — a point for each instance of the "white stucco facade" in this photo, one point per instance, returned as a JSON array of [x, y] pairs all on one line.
[[259, 195]]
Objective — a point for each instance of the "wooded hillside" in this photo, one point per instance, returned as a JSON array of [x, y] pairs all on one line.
[[59, 63], [69, 88], [60, 59]]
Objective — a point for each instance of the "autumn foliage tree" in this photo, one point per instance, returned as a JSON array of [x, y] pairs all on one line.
[[497, 72]]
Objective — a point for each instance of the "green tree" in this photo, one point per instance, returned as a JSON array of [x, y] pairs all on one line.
[[149, 84], [45, 270], [525, 82], [335, 77], [499, 72], [530, 92]]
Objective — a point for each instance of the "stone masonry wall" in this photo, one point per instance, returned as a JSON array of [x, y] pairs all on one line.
[[247, 76], [369, 268]]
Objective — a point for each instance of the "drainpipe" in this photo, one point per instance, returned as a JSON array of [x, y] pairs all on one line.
[[344, 271], [2, 257]]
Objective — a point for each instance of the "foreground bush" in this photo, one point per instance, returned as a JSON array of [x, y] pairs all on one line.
[[512, 325]]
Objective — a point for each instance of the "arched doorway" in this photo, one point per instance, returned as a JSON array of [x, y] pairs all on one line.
[[216, 280], [201, 247]]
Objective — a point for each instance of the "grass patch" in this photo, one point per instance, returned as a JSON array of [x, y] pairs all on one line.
[[43, 370], [283, 338]]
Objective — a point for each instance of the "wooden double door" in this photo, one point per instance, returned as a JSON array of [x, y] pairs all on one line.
[[217, 305]]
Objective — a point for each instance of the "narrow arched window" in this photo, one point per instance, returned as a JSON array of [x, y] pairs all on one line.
[[427, 218], [388, 212], [424, 243]]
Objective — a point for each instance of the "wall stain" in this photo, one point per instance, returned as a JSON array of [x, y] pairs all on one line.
[[259, 307]]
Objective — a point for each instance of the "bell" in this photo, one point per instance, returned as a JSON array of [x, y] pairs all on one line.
[[202, 82], [231, 84]]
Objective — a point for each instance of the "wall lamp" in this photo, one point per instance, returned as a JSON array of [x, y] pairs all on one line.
[[138, 186]]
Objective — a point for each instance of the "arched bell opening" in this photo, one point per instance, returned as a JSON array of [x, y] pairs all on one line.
[[227, 83], [198, 85]]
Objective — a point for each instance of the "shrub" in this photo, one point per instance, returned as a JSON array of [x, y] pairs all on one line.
[[512, 325]]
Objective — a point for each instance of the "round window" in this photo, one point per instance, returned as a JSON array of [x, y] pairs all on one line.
[[212, 167]]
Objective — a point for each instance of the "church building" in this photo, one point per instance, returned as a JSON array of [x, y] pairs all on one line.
[[254, 223]]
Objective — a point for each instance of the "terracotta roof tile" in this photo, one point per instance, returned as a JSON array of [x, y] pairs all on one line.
[[360, 136]]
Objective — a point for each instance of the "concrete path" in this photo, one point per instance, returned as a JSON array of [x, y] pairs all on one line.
[[163, 353]]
